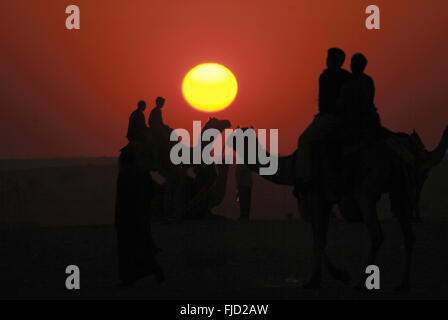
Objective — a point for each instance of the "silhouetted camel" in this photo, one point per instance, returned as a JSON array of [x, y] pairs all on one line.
[[382, 171], [203, 192]]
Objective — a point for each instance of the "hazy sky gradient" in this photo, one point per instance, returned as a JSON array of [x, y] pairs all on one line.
[[69, 93]]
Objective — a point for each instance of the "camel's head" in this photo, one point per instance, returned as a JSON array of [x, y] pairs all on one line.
[[417, 146], [445, 135], [426, 160], [215, 123], [429, 159]]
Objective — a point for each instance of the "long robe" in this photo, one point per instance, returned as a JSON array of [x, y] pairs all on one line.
[[136, 248]]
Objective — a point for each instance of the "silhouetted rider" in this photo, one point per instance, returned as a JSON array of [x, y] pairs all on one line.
[[326, 122], [331, 81], [137, 126], [357, 99], [155, 120], [159, 131]]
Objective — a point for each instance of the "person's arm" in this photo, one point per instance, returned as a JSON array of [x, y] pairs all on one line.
[[130, 128], [161, 118], [373, 91], [141, 125], [155, 118], [369, 92], [322, 100], [344, 102]]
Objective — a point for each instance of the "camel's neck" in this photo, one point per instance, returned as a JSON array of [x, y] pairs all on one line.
[[285, 170], [274, 168]]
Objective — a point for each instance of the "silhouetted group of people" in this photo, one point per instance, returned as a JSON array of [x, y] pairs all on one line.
[[137, 128]]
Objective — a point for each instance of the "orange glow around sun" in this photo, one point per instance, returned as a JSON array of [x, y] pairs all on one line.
[[209, 87]]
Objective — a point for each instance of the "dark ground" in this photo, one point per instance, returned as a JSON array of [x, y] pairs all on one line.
[[54, 213], [216, 260]]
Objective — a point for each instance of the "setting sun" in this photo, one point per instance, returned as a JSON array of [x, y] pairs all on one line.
[[209, 87]]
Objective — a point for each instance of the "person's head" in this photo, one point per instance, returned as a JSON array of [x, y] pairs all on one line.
[[358, 63], [160, 102], [141, 105], [335, 58]]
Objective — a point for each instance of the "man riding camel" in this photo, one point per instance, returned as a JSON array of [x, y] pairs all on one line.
[[326, 122], [356, 101], [155, 119], [137, 127], [345, 101]]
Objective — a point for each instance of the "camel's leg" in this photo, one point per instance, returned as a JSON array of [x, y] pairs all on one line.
[[367, 205], [418, 217], [376, 236], [320, 231], [409, 239], [336, 272], [319, 221]]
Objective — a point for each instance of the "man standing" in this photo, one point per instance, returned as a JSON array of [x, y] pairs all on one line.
[[244, 182], [135, 187], [135, 245], [137, 127], [326, 122]]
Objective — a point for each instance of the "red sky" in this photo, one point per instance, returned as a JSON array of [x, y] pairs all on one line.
[[69, 93]]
